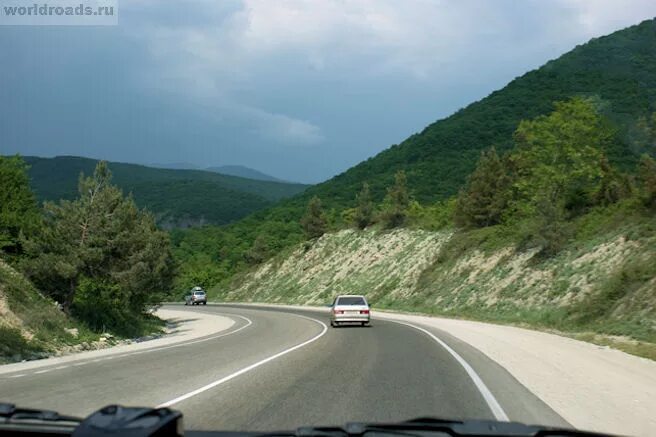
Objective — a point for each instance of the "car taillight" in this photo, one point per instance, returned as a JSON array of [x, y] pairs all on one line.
[[338, 311], [364, 311]]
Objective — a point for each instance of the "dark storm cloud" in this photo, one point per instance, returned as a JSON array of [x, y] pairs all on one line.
[[300, 89]]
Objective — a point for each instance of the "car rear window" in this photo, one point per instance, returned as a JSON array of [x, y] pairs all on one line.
[[351, 301], [199, 293]]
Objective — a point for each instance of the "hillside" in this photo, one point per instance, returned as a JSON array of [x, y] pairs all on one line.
[[618, 71], [178, 198], [600, 287], [243, 172]]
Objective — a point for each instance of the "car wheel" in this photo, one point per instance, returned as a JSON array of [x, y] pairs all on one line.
[[204, 303]]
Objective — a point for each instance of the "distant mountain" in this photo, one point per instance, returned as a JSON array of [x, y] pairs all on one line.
[[178, 198], [176, 166], [243, 172]]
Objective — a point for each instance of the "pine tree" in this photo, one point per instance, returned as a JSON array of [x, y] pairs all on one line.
[[647, 178], [365, 208], [258, 251], [483, 200], [18, 207], [103, 240], [397, 202], [314, 221]]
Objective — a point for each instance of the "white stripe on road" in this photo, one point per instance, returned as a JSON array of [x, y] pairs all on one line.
[[248, 368], [478, 382]]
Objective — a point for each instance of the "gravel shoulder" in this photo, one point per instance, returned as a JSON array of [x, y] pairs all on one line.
[[184, 327]]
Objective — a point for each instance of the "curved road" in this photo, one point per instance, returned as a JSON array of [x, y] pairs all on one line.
[[280, 369]]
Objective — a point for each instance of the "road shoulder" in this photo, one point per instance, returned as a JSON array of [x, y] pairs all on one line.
[[592, 387], [187, 325]]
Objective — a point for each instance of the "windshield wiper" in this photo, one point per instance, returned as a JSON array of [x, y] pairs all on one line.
[[449, 427], [9, 413]]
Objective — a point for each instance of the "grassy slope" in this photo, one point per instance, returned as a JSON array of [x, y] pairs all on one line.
[[601, 288], [175, 196], [30, 325]]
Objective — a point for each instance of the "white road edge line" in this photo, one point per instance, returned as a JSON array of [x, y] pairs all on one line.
[[248, 368], [489, 398]]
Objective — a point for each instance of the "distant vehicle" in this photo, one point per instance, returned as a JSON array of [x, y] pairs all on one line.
[[196, 296], [349, 309]]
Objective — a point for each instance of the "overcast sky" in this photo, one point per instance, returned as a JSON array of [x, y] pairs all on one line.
[[299, 89]]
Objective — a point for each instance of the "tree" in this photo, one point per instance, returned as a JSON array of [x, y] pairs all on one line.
[[258, 252], [397, 202], [364, 210], [483, 200], [647, 178], [557, 156], [549, 229], [103, 241], [645, 135], [314, 221], [612, 187], [18, 209]]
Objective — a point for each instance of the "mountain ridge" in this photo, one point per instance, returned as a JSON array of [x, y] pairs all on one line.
[[178, 198]]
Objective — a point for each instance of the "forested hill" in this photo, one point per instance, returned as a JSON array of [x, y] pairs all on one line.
[[616, 72], [619, 70], [178, 198]]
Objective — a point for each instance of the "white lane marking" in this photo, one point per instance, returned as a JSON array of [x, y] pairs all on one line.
[[60, 367], [38, 372], [248, 368], [20, 375], [489, 398]]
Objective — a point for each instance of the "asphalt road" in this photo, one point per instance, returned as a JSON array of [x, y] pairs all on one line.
[[280, 369]]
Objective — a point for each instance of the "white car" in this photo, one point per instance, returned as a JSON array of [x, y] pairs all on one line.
[[196, 296], [350, 309]]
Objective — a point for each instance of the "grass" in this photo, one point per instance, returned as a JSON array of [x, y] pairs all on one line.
[[13, 346]]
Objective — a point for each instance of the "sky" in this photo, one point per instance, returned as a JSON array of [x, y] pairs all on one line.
[[299, 89]]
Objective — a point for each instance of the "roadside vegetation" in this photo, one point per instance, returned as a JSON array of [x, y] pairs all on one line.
[[76, 269]]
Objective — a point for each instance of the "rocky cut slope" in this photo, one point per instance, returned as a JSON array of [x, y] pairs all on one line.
[[602, 285]]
